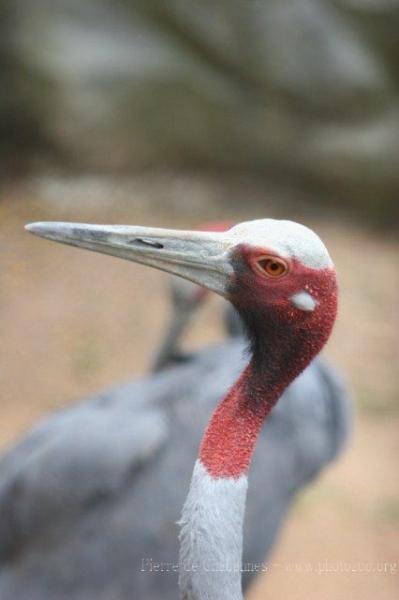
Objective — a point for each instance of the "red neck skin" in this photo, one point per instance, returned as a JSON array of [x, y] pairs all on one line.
[[230, 437]]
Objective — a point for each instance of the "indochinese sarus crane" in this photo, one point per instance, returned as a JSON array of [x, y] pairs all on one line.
[[90, 497]]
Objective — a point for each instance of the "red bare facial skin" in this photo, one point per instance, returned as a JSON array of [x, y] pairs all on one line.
[[283, 341]]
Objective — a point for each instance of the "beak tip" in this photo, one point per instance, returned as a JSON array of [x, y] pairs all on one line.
[[33, 227], [42, 229]]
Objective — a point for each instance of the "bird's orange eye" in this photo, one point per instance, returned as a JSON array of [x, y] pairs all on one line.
[[272, 266]]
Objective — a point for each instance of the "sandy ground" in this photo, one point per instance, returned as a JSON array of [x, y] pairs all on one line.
[[73, 322]]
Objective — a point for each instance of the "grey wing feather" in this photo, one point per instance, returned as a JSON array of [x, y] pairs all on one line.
[[69, 461]]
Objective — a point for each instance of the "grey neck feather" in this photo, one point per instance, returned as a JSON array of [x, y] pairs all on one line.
[[211, 537]]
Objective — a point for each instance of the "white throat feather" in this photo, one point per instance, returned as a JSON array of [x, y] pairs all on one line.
[[211, 537]]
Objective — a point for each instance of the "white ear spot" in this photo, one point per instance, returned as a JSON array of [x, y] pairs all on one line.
[[304, 301]]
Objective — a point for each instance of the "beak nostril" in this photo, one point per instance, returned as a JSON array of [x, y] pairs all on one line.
[[145, 242]]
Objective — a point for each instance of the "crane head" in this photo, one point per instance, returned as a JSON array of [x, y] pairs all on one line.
[[276, 273]]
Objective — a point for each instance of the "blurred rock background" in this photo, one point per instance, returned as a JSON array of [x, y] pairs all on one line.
[[303, 93], [174, 113]]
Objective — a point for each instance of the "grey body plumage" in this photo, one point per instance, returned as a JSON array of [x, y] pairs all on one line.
[[90, 497]]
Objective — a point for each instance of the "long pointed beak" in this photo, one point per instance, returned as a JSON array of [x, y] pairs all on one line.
[[200, 257]]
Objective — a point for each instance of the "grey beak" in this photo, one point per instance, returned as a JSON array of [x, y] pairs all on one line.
[[200, 257]]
